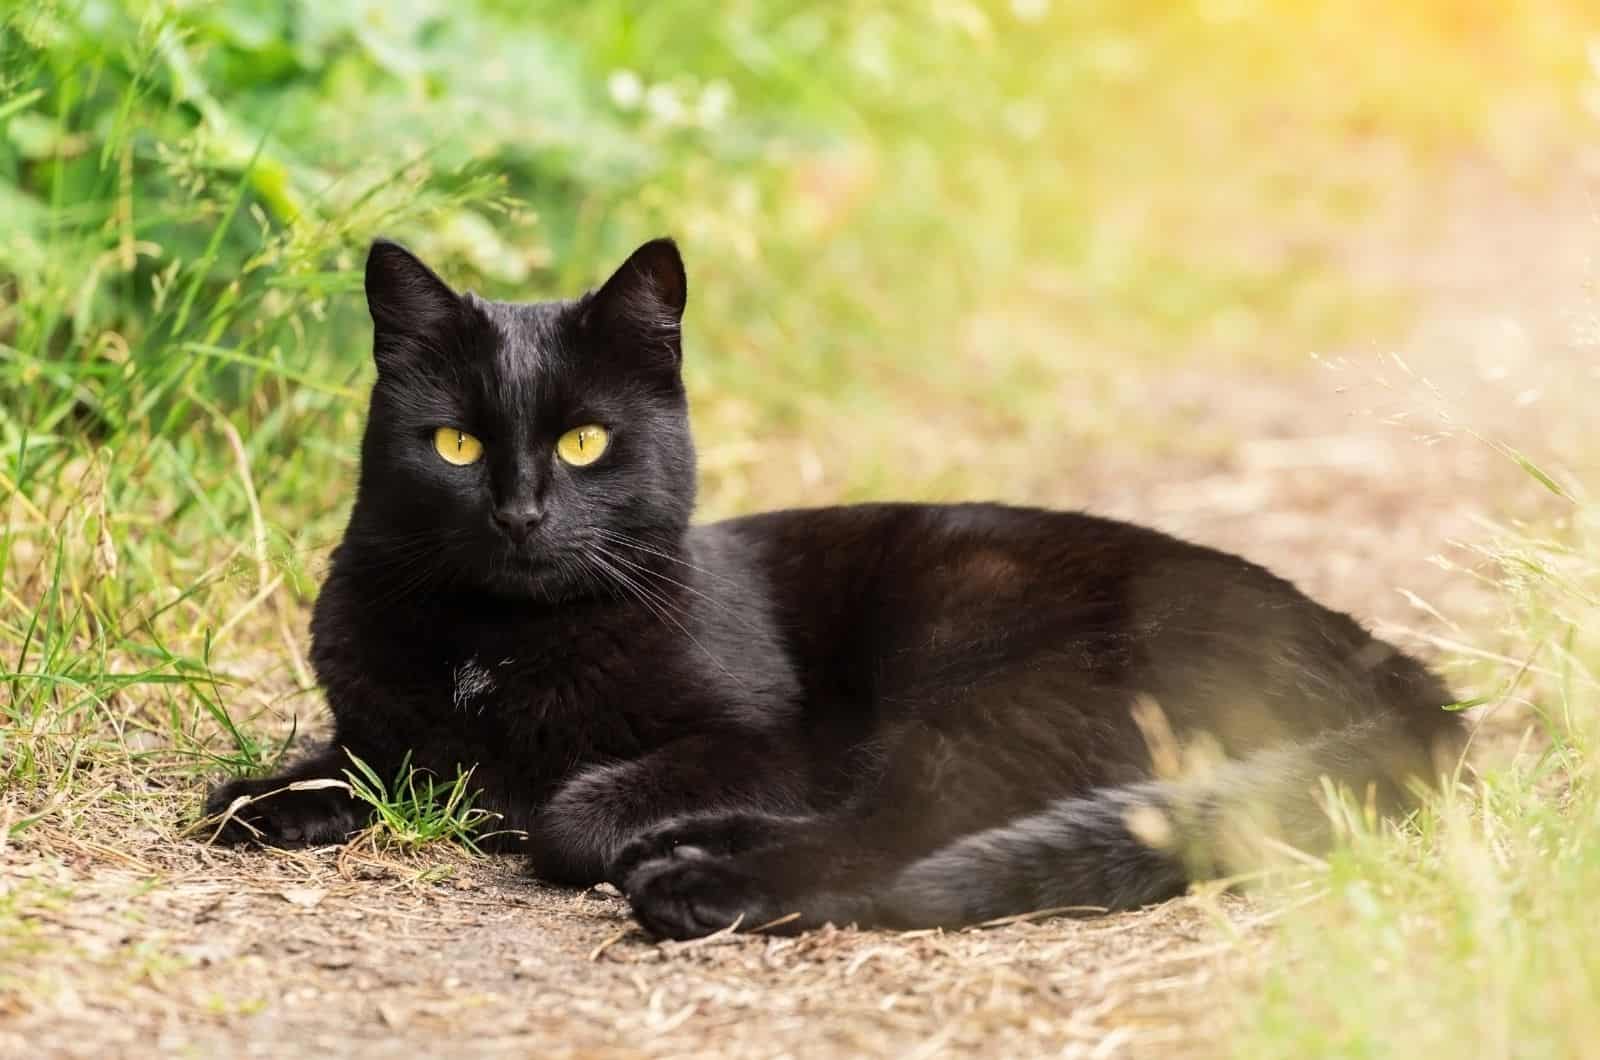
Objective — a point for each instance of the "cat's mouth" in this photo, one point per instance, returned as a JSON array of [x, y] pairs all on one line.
[[522, 561], [522, 576], [538, 570]]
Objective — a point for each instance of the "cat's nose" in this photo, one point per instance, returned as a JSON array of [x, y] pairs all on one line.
[[518, 521]]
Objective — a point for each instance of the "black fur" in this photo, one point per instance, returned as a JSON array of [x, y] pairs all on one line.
[[890, 714]]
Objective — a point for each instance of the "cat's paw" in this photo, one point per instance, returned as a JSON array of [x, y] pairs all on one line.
[[718, 835], [691, 895], [311, 813]]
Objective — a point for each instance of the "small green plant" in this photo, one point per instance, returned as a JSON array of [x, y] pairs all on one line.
[[417, 809]]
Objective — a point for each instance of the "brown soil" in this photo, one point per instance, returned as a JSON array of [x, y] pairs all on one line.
[[141, 943]]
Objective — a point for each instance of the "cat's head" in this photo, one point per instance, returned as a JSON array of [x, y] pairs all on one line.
[[522, 448]]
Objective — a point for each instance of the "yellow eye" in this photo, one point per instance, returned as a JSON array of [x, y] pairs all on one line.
[[582, 446], [457, 447]]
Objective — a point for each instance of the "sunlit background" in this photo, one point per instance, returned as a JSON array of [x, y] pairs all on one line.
[[903, 222], [935, 250]]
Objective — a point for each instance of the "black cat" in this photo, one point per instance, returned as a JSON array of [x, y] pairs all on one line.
[[890, 714]]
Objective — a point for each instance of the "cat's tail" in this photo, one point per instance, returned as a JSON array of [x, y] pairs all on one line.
[[1124, 847]]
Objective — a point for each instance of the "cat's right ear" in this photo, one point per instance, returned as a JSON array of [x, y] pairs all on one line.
[[414, 313]]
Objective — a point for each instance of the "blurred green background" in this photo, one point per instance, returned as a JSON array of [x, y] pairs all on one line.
[[897, 216]]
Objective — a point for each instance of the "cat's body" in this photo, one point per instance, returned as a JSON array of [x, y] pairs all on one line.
[[888, 714]]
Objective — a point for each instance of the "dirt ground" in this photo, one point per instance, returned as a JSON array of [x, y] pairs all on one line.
[[140, 942]]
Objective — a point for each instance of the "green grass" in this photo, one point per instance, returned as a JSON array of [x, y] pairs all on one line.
[[417, 808], [1472, 934], [915, 236]]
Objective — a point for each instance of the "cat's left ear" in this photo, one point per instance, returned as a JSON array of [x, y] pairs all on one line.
[[641, 305]]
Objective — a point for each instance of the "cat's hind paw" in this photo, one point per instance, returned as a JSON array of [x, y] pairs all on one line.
[[691, 895]]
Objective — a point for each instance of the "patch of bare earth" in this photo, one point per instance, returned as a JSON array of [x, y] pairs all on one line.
[[126, 940], [222, 953]]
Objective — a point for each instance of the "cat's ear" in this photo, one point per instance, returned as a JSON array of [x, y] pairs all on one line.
[[414, 313], [641, 306]]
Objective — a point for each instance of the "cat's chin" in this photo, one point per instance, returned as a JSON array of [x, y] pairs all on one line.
[[532, 579]]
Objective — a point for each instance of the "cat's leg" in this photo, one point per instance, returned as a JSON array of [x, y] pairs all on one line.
[[608, 818], [912, 862], [307, 804], [1079, 853], [934, 790]]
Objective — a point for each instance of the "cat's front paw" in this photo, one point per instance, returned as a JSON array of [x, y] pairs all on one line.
[[691, 895], [281, 812], [718, 835]]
